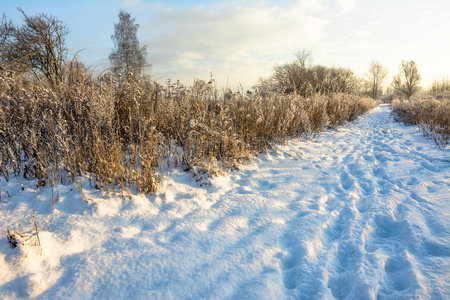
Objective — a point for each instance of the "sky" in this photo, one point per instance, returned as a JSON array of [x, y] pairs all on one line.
[[241, 41]]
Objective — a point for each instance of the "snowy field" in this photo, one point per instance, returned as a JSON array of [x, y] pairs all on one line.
[[363, 212]]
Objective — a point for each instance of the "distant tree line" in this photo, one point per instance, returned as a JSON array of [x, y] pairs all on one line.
[[301, 76]]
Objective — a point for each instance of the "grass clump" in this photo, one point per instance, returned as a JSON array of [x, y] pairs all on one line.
[[21, 236], [431, 114]]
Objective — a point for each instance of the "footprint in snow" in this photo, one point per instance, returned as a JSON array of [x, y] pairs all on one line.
[[266, 185], [399, 274], [368, 158], [364, 204], [244, 190], [291, 266], [437, 249], [398, 233], [413, 181], [367, 186], [429, 166], [346, 181]]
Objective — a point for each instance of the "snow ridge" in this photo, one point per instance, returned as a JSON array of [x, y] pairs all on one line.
[[360, 213]]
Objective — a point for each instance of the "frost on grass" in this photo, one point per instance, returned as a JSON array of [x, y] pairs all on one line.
[[432, 114], [126, 136]]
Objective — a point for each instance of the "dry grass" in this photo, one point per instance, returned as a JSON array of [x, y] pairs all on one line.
[[127, 135], [28, 235], [432, 114]]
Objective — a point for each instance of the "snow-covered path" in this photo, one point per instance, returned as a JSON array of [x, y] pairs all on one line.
[[363, 212]]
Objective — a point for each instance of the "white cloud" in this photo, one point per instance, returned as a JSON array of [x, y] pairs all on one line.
[[131, 2], [187, 59], [227, 36], [367, 29], [241, 41], [347, 6]]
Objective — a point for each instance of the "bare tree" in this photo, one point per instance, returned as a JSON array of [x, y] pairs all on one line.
[[127, 56], [38, 47], [440, 87], [304, 58], [6, 30], [407, 81], [374, 77]]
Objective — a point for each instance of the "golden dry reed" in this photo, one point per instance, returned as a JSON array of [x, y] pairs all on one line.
[[124, 136], [432, 114]]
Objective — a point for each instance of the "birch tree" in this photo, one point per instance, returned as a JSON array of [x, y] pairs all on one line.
[[128, 58]]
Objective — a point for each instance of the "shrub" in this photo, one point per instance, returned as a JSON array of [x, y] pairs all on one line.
[[431, 114]]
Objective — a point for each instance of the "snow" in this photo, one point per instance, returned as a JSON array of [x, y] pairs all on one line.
[[362, 212]]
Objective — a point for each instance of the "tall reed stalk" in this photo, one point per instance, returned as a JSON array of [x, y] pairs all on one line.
[[126, 135]]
